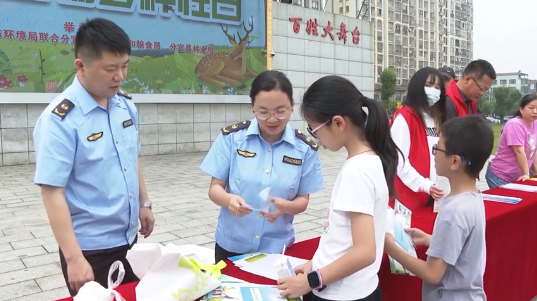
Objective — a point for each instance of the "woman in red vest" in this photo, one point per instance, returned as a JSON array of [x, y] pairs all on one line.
[[415, 127]]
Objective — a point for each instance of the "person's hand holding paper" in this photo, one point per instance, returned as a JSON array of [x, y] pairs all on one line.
[[279, 204], [238, 207], [271, 202]]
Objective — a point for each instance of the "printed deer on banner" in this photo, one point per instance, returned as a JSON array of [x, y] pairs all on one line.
[[224, 69]]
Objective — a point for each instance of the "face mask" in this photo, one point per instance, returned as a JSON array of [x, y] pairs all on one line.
[[433, 95]]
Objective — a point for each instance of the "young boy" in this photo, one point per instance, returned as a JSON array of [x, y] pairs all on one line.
[[456, 255]]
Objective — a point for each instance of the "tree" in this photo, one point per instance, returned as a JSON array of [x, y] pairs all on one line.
[[507, 99], [388, 80], [486, 104], [514, 98]]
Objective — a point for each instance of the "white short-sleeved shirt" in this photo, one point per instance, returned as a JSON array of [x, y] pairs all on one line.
[[360, 187]]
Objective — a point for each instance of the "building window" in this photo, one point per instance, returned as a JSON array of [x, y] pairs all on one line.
[[512, 81], [503, 82], [347, 9]]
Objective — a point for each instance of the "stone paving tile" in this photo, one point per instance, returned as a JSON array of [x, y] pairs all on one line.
[[29, 263]]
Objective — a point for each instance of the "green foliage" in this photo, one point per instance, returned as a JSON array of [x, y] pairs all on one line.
[[388, 80], [390, 106], [514, 98], [5, 64], [486, 103], [507, 99]]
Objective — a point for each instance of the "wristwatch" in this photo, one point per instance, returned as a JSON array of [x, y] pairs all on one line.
[[147, 204], [315, 281]]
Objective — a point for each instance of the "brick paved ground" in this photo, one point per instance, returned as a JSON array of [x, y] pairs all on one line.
[[29, 267]]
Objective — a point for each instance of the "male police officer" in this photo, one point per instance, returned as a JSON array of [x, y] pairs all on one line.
[[86, 147]]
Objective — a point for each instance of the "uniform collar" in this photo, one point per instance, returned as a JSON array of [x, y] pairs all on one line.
[[287, 136], [87, 103]]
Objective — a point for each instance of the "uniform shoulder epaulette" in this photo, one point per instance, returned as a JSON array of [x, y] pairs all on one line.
[[124, 94], [63, 108], [236, 127], [306, 140]]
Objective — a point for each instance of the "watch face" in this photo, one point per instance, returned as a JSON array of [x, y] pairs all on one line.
[[313, 279]]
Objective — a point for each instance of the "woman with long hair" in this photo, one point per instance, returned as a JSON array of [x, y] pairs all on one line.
[[348, 258], [516, 148], [415, 127]]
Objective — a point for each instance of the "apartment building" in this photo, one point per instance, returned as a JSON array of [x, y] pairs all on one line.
[[533, 86], [517, 80], [412, 34]]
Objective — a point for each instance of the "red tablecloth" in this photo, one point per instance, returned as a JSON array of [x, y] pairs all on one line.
[[511, 272]]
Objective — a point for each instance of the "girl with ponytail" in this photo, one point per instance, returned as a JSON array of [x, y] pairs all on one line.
[[348, 258]]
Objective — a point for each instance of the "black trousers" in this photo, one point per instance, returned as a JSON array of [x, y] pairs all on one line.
[[222, 254], [375, 296], [100, 261]]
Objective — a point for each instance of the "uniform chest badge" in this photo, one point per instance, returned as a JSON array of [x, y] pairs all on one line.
[[127, 123], [245, 154], [292, 161], [95, 136]]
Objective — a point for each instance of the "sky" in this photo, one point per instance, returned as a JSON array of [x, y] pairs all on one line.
[[505, 34]]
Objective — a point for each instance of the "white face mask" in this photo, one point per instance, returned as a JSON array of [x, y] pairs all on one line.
[[433, 95]]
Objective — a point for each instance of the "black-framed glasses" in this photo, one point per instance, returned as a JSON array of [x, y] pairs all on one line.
[[435, 150], [478, 85], [265, 114]]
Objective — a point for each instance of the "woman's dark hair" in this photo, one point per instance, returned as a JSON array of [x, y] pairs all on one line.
[[416, 99], [271, 80], [523, 103], [336, 96]]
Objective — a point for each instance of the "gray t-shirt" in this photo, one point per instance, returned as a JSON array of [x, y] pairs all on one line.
[[459, 239]]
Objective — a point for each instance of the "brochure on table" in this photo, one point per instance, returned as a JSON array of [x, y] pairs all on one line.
[[501, 199], [264, 265], [398, 219], [246, 292], [520, 187]]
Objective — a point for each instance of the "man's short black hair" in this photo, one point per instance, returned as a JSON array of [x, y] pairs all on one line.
[[471, 138], [478, 68], [96, 36]]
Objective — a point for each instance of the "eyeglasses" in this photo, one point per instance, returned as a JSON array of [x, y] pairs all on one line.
[[435, 150], [265, 114], [478, 85], [312, 132]]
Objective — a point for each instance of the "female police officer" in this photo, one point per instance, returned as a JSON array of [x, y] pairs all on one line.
[[265, 152]]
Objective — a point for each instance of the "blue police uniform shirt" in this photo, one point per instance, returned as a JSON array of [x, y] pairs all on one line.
[[92, 153], [290, 167]]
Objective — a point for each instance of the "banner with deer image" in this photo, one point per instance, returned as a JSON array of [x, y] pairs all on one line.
[[178, 46]]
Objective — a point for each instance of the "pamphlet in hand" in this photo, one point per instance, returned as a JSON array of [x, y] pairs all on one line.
[[397, 220], [265, 205], [442, 183], [246, 292]]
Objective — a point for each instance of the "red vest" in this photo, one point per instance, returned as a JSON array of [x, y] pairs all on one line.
[[419, 158], [453, 92]]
